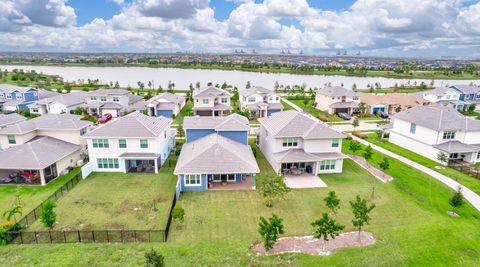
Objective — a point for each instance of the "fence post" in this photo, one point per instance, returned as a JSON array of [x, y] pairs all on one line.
[[121, 235], [93, 236], [108, 239], [34, 213], [79, 238], [36, 238], [64, 236], [149, 241], [21, 237], [50, 235], [135, 235]]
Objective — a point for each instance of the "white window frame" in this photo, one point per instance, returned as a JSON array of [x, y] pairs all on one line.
[[336, 142], [145, 141], [19, 96], [328, 165], [205, 101], [116, 99], [251, 99], [449, 135], [83, 131], [187, 179], [100, 143], [103, 99], [413, 128], [93, 98], [290, 142], [8, 96]]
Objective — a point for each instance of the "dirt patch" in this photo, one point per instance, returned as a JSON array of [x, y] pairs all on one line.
[[313, 246]]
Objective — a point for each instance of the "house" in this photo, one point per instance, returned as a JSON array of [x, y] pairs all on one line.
[[58, 104], [135, 143], [469, 94], [211, 101], [259, 101], [391, 103], [212, 160], [445, 96], [233, 126], [336, 100], [166, 104], [431, 131], [292, 140], [8, 119], [113, 101], [38, 150], [15, 97]]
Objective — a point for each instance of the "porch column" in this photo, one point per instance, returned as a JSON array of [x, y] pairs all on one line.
[[156, 165], [254, 182], [125, 166], [42, 177]]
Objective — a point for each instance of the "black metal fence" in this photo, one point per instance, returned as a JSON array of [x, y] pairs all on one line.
[[465, 168]]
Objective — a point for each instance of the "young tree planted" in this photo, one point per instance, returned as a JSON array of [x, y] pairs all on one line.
[[367, 154], [271, 187], [385, 164], [361, 210], [332, 202], [154, 259], [326, 228], [355, 123], [354, 146], [48, 215], [457, 199], [270, 229], [178, 214]]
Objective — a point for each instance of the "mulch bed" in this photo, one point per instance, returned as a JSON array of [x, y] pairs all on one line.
[[313, 246], [380, 175]]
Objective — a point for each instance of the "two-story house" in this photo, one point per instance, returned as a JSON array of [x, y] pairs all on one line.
[[116, 102], [135, 143], [166, 105], [430, 131], [216, 154], [15, 97], [291, 140], [259, 101], [58, 104], [211, 101], [444, 96], [469, 93], [336, 100], [38, 150]]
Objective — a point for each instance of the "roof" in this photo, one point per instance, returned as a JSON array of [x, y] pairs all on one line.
[[42, 93], [350, 104], [100, 92], [167, 98], [256, 90], [111, 105], [134, 124], [438, 118], [36, 154], [467, 89], [337, 91], [455, 146], [292, 123], [393, 99], [215, 154], [69, 99], [139, 155], [8, 88], [233, 122], [438, 91], [299, 155], [10, 119], [58, 122], [210, 92]]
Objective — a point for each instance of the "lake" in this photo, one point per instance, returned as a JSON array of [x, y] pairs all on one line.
[[129, 76]]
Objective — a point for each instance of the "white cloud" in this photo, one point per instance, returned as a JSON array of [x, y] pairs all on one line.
[[170, 9]]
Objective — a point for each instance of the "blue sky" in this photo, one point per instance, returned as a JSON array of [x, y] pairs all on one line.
[[430, 28]]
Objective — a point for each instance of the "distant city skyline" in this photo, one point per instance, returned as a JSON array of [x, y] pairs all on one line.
[[391, 28]]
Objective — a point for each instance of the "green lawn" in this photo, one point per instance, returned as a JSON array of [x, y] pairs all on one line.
[[466, 180], [286, 106], [31, 196], [186, 111], [309, 108]]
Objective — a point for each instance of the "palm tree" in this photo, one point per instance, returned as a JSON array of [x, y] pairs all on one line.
[[8, 214]]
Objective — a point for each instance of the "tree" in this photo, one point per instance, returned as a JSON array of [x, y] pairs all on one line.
[[384, 165], [276, 85], [332, 202], [355, 123], [442, 157], [457, 199], [48, 215], [197, 85], [178, 213], [271, 187], [154, 259], [326, 228], [361, 210], [354, 146], [379, 134], [471, 108], [362, 107], [248, 85], [269, 229], [367, 154], [8, 214]]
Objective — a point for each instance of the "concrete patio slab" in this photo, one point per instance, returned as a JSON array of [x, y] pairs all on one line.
[[304, 181]]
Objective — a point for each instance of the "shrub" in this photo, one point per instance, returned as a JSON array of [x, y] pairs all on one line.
[[154, 259], [270, 229], [360, 134], [178, 213], [48, 216], [324, 118]]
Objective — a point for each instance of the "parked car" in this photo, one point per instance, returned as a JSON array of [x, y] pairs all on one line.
[[105, 118], [382, 114], [344, 116]]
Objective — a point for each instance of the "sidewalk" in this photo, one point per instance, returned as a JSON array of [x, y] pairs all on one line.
[[469, 195]]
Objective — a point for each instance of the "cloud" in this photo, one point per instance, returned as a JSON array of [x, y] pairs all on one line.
[[47, 12], [171, 9]]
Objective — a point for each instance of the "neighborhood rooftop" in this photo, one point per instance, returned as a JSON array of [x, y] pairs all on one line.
[[228, 123], [8, 88], [295, 124], [6, 119], [256, 90], [467, 89], [70, 99], [134, 124], [215, 154], [336, 91], [47, 122], [210, 92]]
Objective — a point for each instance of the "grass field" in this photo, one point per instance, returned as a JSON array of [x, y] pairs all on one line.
[[186, 111], [286, 106], [31, 196]]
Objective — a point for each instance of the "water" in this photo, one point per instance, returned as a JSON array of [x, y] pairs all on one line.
[[129, 76]]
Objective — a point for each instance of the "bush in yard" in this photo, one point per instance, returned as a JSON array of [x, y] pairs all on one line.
[[361, 209], [271, 187], [367, 154], [154, 259], [360, 134], [3, 236], [332, 202], [178, 213], [269, 229], [355, 146], [457, 199], [326, 228], [323, 118], [48, 215]]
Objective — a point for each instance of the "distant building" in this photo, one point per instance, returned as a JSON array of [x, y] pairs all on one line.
[[336, 100], [259, 101], [211, 101], [166, 105], [15, 97]]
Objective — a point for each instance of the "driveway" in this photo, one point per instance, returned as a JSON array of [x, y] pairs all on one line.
[[304, 181]]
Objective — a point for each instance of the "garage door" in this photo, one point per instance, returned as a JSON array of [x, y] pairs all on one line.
[[375, 110], [341, 110], [204, 112]]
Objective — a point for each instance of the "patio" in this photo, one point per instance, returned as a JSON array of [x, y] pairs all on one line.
[[246, 184], [305, 180]]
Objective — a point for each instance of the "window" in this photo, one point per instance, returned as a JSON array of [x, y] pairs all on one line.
[[103, 98], [83, 131], [335, 142], [9, 96], [327, 164], [448, 135], [192, 179], [93, 98], [290, 142], [448, 96], [453, 156], [35, 110], [143, 143], [413, 128], [100, 143], [11, 139], [165, 134], [205, 101], [19, 96], [108, 164], [251, 99], [224, 100], [116, 99], [35, 93], [122, 143], [355, 98]]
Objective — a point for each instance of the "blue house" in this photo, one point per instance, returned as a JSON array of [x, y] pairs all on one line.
[[468, 93], [234, 127], [166, 105], [16, 97]]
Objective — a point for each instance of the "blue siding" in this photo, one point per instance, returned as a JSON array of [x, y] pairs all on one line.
[[239, 136], [165, 113], [462, 96], [271, 111], [194, 134], [184, 187], [31, 95]]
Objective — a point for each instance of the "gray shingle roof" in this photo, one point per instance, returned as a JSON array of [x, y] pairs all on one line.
[[210, 92], [215, 107], [168, 98], [133, 125], [70, 99], [111, 105], [233, 122], [10, 119], [456, 147], [467, 89], [438, 119], [8, 88], [215, 154], [47, 122], [336, 91], [351, 104], [100, 92], [36, 154], [292, 123], [256, 90]]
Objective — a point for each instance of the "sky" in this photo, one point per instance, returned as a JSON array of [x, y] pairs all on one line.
[[430, 28]]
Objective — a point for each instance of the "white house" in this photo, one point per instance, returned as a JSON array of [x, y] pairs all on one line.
[[113, 101], [135, 143], [166, 105], [259, 101], [336, 100], [292, 140], [445, 96], [430, 131], [211, 101], [58, 104]]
